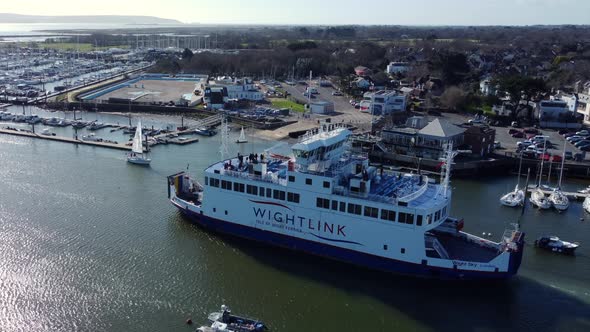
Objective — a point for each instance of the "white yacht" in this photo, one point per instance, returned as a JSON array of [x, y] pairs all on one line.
[[557, 198], [137, 155], [586, 204], [516, 197]]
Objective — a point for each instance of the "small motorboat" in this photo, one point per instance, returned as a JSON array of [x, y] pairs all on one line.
[[205, 131], [46, 132], [585, 191], [226, 321], [513, 198], [91, 138], [554, 244], [79, 124], [539, 200]]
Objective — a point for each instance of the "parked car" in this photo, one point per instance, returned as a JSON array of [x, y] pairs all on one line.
[[523, 144], [584, 148], [518, 134], [529, 155], [532, 131], [497, 145], [575, 140], [583, 133], [582, 143], [569, 139], [563, 131], [514, 124], [336, 93], [556, 158], [569, 135], [512, 131], [568, 155]]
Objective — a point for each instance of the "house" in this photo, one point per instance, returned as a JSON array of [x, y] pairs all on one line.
[[584, 106], [215, 97], [422, 140], [397, 67], [555, 113], [362, 71], [383, 102], [486, 88], [361, 83], [239, 89], [479, 138]]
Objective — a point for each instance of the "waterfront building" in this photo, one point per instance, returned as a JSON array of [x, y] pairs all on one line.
[[423, 140], [383, 102]]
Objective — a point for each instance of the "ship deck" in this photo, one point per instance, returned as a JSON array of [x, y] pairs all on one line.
[[461, 249]]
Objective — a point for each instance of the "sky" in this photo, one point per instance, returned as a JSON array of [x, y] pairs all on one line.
[[324, 12]]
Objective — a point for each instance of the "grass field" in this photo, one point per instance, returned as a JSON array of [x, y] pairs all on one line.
[[285, 103]]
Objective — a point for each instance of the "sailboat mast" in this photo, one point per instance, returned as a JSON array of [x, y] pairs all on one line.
[[562, 163], [519, 170], [542, 160]]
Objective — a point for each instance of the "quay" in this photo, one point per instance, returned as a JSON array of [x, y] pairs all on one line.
[[575, 195], [118, 146]]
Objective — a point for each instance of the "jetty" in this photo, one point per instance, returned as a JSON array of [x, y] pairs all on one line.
[[575, 195], [109, 145]]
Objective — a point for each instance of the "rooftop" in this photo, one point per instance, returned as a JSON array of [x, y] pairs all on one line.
[[441, 128]]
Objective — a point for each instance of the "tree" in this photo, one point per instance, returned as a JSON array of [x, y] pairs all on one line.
[[453, 67], [452, 97], [187, 54], [520, 87]]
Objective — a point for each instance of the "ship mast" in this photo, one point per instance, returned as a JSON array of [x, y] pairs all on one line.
[[224, 147]]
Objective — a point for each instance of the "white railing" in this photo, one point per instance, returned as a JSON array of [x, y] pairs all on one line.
[[416, 193], [263, 178]]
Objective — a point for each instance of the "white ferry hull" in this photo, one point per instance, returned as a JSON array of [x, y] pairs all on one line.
[[337, 249]]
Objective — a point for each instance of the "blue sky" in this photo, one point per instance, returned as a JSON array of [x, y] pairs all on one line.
[[392, 12]]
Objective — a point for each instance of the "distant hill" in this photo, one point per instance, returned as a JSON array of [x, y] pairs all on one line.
[[105, 19]]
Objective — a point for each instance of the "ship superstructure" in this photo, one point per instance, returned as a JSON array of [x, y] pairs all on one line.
[[327, 201]]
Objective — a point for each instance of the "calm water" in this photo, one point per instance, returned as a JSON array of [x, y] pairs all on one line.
[[90, 242]]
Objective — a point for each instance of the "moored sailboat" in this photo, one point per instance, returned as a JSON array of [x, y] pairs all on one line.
[[557, 198], [515, 197]]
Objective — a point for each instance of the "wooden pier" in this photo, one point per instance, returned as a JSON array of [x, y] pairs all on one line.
[[574, 195], [118, 146]]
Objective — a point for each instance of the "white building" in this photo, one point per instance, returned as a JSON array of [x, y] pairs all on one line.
[[584, 106], [383, 102], [239, 89], [571, 100], [486, 88], [397, 67], [321, 107], [555, 113]]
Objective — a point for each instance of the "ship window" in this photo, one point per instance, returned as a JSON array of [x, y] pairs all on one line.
[[402, 217], [252, 190], [206, 181], [268, 192], [261, 192], [388, 215], [410, 219], [226, 185], [291, 178], [444, 212], [326, 184], [419, 220], [384, 247], [239, 187], [214, 210], [292, 197], [342, 207], [323, 203], [403, 250], [437, 216], [371, 212], [308, 182], [354, 208], [335, 205], [429, 218], [214, 183]]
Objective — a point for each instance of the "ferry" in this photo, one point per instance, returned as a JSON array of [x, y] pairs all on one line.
[[326, 200]]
